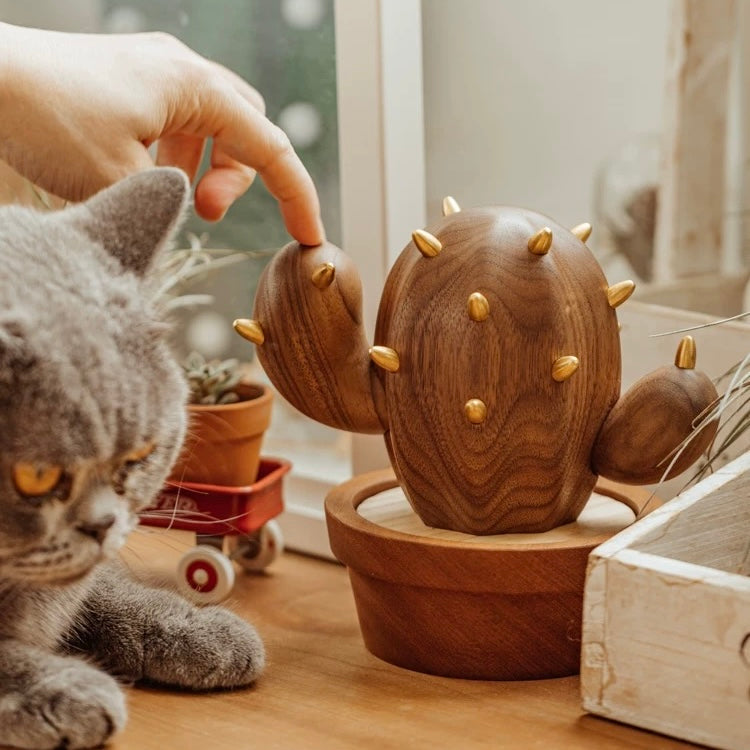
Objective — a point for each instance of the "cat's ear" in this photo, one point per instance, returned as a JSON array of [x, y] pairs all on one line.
[[136, 216]]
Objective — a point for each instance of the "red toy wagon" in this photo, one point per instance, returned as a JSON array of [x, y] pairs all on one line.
[[230, 523]]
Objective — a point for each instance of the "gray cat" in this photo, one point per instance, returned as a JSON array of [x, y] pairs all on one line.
[[91, 418]]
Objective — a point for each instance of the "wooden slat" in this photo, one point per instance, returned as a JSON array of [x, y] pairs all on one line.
[[667, 617], [691, 198]]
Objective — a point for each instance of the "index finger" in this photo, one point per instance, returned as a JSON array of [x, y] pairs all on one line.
[[248, 136]]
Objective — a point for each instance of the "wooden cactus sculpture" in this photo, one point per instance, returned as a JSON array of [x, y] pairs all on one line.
[[495, 374]]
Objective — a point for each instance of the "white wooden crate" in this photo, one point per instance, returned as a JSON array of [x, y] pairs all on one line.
[[666, 629]]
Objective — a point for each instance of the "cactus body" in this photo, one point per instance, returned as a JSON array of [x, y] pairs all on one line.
[[526, 465], [494, 374]]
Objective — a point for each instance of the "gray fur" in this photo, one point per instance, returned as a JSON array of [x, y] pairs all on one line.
[[85, 379]]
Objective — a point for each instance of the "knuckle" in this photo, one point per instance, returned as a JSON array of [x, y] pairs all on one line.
[[196, 75], [259, 101], [164, 39], [279, 144]]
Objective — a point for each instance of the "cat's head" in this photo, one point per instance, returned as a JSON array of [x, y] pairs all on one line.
[[91, 400]]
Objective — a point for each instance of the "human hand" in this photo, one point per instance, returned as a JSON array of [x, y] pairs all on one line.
[[79, 111]]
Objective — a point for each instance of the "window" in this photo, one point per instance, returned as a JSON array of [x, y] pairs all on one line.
[[344, 80]]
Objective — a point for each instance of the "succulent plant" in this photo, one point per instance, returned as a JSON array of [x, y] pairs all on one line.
[[211, 382], [495, 377]]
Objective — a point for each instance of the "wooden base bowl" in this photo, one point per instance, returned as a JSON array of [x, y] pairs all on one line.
[[505, 607]]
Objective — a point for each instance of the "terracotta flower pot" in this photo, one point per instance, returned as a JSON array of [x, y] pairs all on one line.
[[223, 443]]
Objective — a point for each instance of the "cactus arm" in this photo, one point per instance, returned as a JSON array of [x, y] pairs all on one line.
[[314, 349], [639, 438]]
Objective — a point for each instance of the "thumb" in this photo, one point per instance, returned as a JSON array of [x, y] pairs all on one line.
[[225, 181]]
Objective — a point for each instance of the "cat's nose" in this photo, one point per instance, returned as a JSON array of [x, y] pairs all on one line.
[[98, 528]]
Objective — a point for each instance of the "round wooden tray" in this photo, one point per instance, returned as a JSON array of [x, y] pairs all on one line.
[[504, 607]]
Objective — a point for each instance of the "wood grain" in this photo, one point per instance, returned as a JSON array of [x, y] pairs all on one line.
[[497, 368], [526, 467], [692, 211], [666, 636], [642, 432], [322, 690], [315, 350], [601, 517], [503, 607]]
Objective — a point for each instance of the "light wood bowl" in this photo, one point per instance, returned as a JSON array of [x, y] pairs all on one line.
[[504, 607]]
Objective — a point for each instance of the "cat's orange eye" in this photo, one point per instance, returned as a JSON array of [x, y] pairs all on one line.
[[34, 480], [140, 453]]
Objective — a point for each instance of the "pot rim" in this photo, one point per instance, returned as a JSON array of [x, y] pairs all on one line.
[[265, 395], [344, 500], [401, 558]]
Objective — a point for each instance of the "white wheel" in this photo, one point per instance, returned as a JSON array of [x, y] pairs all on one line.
[[259, 552], [205, 575]]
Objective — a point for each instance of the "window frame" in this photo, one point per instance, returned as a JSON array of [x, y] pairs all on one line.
[[382, 186]]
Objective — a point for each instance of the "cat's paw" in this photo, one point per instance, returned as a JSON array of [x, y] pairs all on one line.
[[204, 649], [73, 708]]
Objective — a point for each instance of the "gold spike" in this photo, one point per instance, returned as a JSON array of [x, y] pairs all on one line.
[[564, 367], [385, 357], [478, 307], [582, 231], [686, 354], [426, 243], [450, 206], [250, 330], [323, 275], [541, 242], [619, 292], [476, 410]]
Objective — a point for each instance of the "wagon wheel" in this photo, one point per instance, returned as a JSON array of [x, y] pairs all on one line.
[[205, 575], [255, 553]]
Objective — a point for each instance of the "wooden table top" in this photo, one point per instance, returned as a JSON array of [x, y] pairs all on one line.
[[322, 689]]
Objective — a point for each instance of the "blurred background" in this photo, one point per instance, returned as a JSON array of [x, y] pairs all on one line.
[[557, 106], [286, 50], [632, 116]]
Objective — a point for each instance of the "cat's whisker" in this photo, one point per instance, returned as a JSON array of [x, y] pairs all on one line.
[[191, 516], [179, 486], [165, 539], [172, 483], [125, 551], [168, 512], [177, 499]]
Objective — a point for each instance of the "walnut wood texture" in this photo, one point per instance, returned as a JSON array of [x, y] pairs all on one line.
[[506, 607], [639, 439], [496, 361], [315, 350], [526, 467]]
